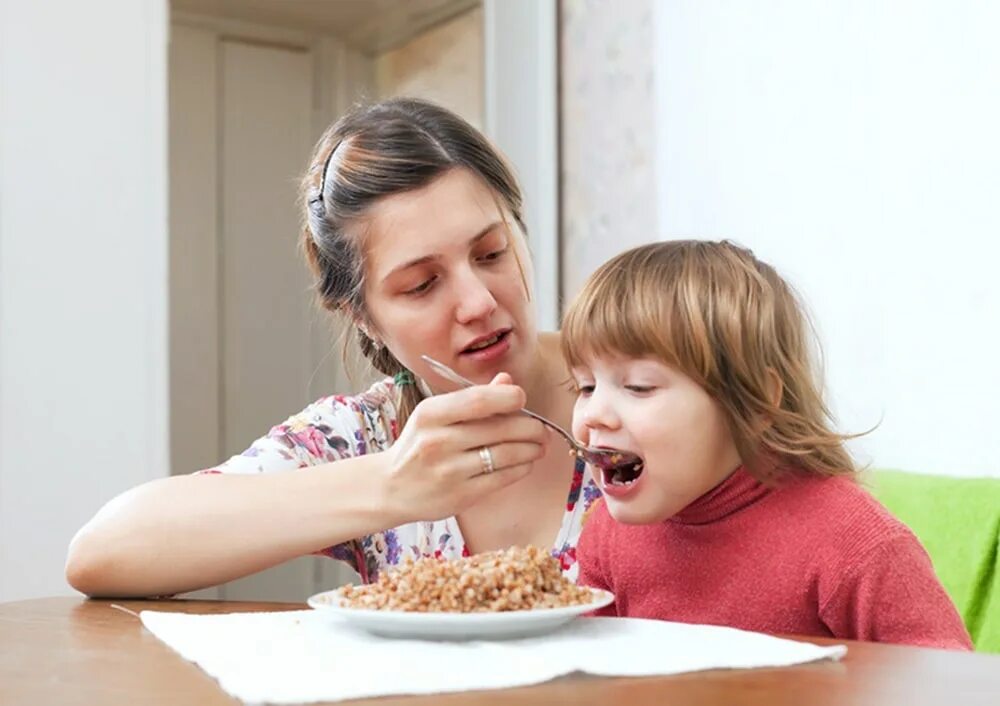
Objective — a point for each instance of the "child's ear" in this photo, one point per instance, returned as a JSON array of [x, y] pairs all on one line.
[[775, 388]]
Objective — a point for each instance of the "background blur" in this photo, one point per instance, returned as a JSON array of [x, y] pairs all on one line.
[[155, 315]]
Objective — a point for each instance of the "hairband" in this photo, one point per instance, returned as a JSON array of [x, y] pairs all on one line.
[[404, 377], [326, 166]]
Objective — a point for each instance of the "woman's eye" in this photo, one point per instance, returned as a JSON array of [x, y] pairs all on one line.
[[492, 256], [422, 287]]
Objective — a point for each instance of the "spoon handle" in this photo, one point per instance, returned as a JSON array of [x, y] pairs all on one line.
[[450, 374]]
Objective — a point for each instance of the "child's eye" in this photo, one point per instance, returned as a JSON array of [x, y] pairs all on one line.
[[584, 390], [640, 389], [422, 288]]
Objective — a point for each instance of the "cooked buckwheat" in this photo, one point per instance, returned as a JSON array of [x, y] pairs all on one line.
[[519, 578]]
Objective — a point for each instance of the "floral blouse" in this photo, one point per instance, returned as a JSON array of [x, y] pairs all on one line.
[[338, 427]]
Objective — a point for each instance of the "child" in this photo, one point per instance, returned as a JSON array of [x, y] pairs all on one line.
[[745, 511]]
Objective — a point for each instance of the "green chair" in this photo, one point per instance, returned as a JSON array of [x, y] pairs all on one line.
[[958, 522]]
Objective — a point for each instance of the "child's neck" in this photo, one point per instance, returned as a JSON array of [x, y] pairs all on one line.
[[738, 490]]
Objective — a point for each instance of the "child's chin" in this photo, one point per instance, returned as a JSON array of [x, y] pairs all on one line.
[[629, 514]]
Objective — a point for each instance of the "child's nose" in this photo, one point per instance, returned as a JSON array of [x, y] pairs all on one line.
[[599, 413]]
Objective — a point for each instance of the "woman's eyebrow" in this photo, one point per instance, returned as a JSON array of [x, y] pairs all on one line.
[[484, 232], [429, 258]]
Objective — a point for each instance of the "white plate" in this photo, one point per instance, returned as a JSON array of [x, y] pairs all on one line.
[[456, 626]]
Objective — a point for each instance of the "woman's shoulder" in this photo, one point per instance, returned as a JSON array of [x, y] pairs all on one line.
[[332, 428], [368, 416], [550, 347], [379, 395], [550, 339]]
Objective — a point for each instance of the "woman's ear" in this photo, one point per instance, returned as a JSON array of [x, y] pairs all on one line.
[[367, 331]]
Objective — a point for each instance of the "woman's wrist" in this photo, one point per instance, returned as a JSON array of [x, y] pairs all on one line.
[[367, 480], [383, 491]]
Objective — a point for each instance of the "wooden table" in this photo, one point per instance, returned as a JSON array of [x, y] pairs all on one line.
[[74, 651]]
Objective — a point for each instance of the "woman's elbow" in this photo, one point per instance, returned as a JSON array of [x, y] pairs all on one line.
[[85, 565]]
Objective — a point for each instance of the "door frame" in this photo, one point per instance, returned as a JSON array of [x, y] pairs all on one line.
[[521, 89]]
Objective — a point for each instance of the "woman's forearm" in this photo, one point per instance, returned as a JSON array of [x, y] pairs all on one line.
[[183, 533]]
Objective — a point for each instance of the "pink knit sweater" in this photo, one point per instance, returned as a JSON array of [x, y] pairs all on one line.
[[812, 557]]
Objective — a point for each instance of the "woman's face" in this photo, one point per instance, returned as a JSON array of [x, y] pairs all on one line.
[[443, 279]]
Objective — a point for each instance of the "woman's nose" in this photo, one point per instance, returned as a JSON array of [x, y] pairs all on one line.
[[475, 300]]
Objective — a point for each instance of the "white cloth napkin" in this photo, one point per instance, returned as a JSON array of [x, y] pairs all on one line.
[[306, 656]]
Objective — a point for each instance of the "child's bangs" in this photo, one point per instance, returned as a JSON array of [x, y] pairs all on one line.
[[618, 314]]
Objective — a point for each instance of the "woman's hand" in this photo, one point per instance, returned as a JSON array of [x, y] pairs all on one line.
[[436, 469]]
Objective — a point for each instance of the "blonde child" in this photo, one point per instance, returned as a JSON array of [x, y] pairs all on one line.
[[746, 511]]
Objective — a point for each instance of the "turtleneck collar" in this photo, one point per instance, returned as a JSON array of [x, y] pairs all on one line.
[[736, 492]]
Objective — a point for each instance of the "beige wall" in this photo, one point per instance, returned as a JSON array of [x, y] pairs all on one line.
[[607, 133], [444, 64]]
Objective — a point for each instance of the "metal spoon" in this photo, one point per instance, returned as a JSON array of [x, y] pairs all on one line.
[[605, 459]]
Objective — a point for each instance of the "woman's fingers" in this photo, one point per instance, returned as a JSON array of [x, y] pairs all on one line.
[[497, 430], [485, 483], [439, 465], [502, 379], [500, 457], [470, 403]]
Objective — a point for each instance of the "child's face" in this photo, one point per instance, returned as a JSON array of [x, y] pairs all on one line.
[[654, 410]]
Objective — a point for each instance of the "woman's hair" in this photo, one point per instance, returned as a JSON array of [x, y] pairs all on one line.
[[727, 320], [373, 152]]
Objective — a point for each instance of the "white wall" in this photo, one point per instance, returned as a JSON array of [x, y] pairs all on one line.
[[83, 288], [855, 146]]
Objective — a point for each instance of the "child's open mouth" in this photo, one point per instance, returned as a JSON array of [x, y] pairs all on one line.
[[620, 473], [623, 474]]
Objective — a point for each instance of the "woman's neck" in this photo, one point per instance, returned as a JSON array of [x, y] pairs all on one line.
[[547, 386]]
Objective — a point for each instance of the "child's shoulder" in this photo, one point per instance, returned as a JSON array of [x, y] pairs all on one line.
[[839, 500], [843, 512]]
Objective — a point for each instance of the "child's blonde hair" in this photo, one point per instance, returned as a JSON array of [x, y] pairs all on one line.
[[727, 320]]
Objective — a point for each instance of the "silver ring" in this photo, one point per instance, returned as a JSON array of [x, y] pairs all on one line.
[[486, 456]]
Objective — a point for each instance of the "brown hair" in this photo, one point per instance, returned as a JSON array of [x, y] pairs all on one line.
[[727, 320], [372, 152]]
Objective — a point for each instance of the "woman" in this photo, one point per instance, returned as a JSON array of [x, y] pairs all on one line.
[[413, 230]]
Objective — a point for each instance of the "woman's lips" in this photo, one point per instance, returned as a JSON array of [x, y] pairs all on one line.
[[491, 352]]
